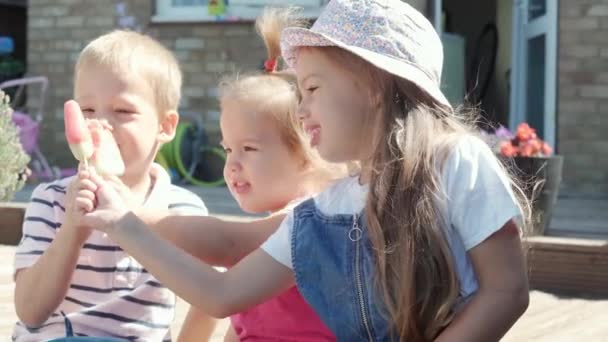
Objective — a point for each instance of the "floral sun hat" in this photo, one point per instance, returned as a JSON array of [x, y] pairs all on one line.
[[390, 34]]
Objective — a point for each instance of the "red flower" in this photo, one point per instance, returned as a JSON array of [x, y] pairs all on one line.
[[507, 149], [525, 144], [537, 144], [527, 150], [525, 132]]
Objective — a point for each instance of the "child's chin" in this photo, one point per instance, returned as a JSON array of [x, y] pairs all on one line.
[[250, 209], [253, 208]]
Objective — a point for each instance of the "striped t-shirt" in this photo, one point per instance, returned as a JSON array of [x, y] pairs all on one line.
[[111, 294]]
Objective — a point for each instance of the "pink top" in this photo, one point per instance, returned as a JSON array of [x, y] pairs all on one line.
[[286, 317]]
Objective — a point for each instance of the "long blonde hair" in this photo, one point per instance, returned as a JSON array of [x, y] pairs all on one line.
[[275, 93], [405, 208]]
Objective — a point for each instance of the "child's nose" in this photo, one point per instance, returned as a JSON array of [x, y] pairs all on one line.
[[302, 112], [232, 164]]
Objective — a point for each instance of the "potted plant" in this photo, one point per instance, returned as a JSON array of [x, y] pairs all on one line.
[[12, 157], [533, 162], [13, 171]]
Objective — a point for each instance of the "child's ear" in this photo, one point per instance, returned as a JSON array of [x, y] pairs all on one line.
[[168, 124]]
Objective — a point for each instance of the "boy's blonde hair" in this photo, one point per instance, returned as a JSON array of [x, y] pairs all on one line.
[[275, 93], [130, 51]]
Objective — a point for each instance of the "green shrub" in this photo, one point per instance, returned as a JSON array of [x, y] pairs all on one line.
[[13, 160]]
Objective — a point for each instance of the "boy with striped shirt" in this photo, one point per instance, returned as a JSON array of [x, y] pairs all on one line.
[[65, 269]]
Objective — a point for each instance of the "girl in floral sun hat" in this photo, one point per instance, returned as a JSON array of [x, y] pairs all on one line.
[[420, 245]]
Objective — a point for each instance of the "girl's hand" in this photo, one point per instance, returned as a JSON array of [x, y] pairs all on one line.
[[110, 208], [128, 199]]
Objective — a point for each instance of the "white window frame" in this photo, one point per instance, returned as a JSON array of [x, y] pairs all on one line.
[[238, 10], [523, 31], [437, 18]]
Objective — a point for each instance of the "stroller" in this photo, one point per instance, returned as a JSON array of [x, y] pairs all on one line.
[[28, 100]]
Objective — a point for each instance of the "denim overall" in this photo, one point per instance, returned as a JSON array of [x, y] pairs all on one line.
[[333, 263], [334, 252]]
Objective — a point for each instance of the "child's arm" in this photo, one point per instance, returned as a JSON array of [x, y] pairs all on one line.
[[216, 242], [40, 288], [197, 327], [481, 208], [503, 289], [231, 335], [257, 278]]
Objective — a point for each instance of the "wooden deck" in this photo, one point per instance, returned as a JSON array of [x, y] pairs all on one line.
[[557, 263], [7, 310], [549, 318]]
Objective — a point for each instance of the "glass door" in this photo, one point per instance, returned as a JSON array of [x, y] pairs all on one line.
[[534, 58]]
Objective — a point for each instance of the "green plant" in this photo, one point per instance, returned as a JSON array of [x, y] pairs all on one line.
[[13, 160]]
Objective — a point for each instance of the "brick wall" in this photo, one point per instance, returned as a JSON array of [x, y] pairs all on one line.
[[59, 29], [583, 95]]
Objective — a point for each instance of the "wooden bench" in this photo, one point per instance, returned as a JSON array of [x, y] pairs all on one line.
[[568, 265], [11, 219]]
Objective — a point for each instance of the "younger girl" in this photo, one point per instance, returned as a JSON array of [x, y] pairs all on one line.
[[269, 165], [420, 246]]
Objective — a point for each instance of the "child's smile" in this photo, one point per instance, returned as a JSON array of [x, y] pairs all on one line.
[[241, 187], [314, 133]]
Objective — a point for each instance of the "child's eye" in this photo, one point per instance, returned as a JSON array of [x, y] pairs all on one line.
[[87, 111], [249, 149], [311, 89], [124, 111], [227, 149]]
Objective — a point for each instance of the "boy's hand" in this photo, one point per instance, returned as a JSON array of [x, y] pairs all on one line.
[[110, 205], [80, 199]]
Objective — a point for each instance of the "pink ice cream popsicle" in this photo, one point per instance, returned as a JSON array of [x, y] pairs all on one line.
[[76, 132], [92, 142], [106, 158]]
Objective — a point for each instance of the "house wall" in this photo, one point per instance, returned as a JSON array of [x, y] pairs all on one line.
[[59, 29], [582, 117]]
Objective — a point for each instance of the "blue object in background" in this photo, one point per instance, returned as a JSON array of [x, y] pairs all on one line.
[[174, 175], [7, 45]]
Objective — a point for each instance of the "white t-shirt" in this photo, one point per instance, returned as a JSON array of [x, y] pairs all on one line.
[[480, 202], [110, 292]]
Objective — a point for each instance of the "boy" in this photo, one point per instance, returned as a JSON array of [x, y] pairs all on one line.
[[63, 268]]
